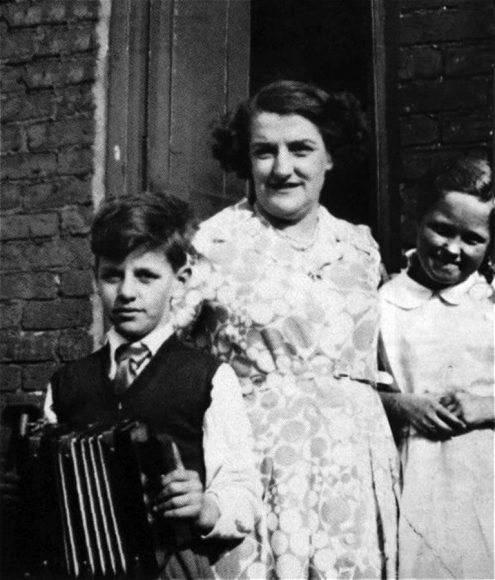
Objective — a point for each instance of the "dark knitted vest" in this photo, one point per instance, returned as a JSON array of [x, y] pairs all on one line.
[[171, 394]]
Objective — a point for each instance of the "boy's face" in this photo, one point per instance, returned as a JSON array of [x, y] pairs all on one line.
[[453, 238], [136, 292]]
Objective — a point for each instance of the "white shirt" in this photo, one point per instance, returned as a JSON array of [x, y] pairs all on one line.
[[231, 475]]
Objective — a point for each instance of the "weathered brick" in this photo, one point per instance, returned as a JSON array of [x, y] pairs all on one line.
[[27, 106], [28, 346], [47, 11], [10, 196], [420, 62], [419, 130], [10, 378], [28, 165], [77, 283], [416, 163], [44, 255], [56, 73], [23, 285], [469, 60], [59, 194], [472, 128], [75, 161], [36, 377], [74, 344], [25, 226], [62, 40], [10, 314], [12, 79], [409, 5], [14, 226], [52, 135], [52, 314], [16, 45], [76, 100], [446, 25], [76, 220], [447, 95], [11, 138]]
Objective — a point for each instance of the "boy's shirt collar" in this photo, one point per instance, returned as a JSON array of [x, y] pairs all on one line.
[[408, 294], [153, 341]]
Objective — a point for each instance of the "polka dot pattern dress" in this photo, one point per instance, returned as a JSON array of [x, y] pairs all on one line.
[[300, 329]]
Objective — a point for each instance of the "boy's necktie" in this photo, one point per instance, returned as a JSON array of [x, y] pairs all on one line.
[[129, 358]]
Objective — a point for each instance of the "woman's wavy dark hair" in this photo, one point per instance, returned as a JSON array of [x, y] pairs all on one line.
[[338, 116]]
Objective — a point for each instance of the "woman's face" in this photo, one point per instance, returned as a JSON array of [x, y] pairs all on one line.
[[288, 165], [453, 238]]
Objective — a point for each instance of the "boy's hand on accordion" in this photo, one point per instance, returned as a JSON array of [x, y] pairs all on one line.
[[182, 496]]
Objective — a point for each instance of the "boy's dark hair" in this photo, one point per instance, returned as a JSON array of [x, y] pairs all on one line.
[[148, 221], [338, 117], [467, 174]]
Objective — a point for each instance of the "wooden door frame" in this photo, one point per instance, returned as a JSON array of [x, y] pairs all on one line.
[[132, 32], [385, 218]]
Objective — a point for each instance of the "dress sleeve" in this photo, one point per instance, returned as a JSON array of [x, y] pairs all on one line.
[[231, 475]]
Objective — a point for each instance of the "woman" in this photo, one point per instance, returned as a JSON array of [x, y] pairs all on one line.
[[294, 310]]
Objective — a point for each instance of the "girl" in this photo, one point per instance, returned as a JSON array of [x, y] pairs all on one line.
[[437, 334]]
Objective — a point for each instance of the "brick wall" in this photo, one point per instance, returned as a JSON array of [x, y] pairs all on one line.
[[48, 57], [446, 59]]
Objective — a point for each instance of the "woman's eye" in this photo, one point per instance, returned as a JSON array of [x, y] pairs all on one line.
[[262, 154], [301, 151]]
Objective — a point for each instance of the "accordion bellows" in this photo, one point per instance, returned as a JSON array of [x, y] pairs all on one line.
[[86, 502]]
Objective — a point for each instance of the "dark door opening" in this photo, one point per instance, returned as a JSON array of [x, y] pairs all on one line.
[[328, 43]]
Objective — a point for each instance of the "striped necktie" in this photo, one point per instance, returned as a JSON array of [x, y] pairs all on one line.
[[129, 359]]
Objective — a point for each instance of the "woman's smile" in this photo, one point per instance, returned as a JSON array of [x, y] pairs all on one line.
[[289, 162]]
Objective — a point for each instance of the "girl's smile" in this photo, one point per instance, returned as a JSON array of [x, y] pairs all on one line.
[[452, 240]]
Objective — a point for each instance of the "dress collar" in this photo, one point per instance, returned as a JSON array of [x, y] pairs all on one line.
[[406, 293]]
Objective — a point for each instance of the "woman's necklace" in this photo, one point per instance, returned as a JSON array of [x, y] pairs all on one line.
[[298, 244]]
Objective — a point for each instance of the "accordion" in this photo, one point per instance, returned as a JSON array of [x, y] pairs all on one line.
[[84, 508]]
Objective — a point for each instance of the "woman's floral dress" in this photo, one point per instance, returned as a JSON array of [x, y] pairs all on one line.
[[300, 329]]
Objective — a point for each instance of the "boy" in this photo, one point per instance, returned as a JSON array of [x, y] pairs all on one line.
[[141, 248]]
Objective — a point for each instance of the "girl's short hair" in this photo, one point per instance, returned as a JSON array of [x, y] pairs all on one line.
[[149, 221], [468, 174], [338, 116]]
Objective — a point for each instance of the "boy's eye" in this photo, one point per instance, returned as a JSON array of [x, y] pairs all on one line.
[[110, 276], [145, 276]]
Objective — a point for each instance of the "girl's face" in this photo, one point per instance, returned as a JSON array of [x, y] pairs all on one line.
[[288, 165], [452, 240]]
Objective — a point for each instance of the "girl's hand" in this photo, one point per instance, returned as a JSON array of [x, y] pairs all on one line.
[[429, 416], [475, 410]]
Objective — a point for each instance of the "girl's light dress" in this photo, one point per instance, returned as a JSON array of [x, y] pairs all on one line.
[[300, 329], [439, 342]]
